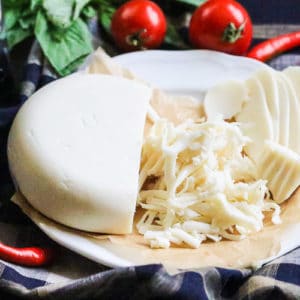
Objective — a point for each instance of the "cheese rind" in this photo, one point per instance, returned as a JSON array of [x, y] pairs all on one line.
[[74, 150]]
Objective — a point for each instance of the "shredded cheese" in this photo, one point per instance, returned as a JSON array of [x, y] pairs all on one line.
[[196, 183]]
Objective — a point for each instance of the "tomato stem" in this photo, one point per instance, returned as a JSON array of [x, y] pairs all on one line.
[[231, 34], [136, 39]]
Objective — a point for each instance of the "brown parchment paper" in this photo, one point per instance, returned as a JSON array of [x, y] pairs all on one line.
[[256, 249]]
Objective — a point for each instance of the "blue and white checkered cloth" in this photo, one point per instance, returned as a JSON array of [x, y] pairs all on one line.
[[74, 277]]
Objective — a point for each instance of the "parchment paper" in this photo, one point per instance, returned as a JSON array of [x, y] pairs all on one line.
[[256, 249]]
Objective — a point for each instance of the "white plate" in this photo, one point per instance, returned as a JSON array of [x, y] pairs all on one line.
[[189, 72], [183, 72]]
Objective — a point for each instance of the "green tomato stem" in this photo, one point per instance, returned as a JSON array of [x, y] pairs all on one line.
[[232, 34]]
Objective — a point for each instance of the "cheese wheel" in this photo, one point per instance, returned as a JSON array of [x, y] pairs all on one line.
[[74, 150]]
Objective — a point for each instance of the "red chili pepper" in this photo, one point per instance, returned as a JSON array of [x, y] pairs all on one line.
[[32, 256], [272, 47]]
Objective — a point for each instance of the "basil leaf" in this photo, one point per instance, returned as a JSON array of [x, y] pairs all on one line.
[[34, 4], [59, 12], [18, 24], [75, 43], [174, 39], [79, 5], [14, 3], [27, 22], [105, 15], [89, 12], [11, 18], [62, 12], [16, 35], [73, 66]]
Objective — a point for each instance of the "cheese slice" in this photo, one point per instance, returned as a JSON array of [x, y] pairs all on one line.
[[293, 73], [256, 118], [268, 80], [225, 100], [284, 108], [280, 166], [294, 128], [74, 150]]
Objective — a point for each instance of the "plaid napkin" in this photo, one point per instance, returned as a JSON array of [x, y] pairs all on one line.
[[74, 277]]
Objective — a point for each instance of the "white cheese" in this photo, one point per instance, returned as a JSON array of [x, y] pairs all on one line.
[[280, 166], [74, 150], [293, 76], [225, 100], [284, 108], [269, 82], [294, 103], [293, 73], [201, 185], [256, 118]]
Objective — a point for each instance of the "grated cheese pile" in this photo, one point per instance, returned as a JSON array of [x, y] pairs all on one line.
[[197, 184]]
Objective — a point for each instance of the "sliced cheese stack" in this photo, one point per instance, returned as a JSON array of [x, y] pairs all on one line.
[[268, 107], [270, 96], [293, 73], [271, 112], [281, 168], [74, 150], [256, 117], [267, 104], [248, 103]]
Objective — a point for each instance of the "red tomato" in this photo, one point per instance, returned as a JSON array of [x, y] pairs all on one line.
[[138, 24], [222, 25]]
